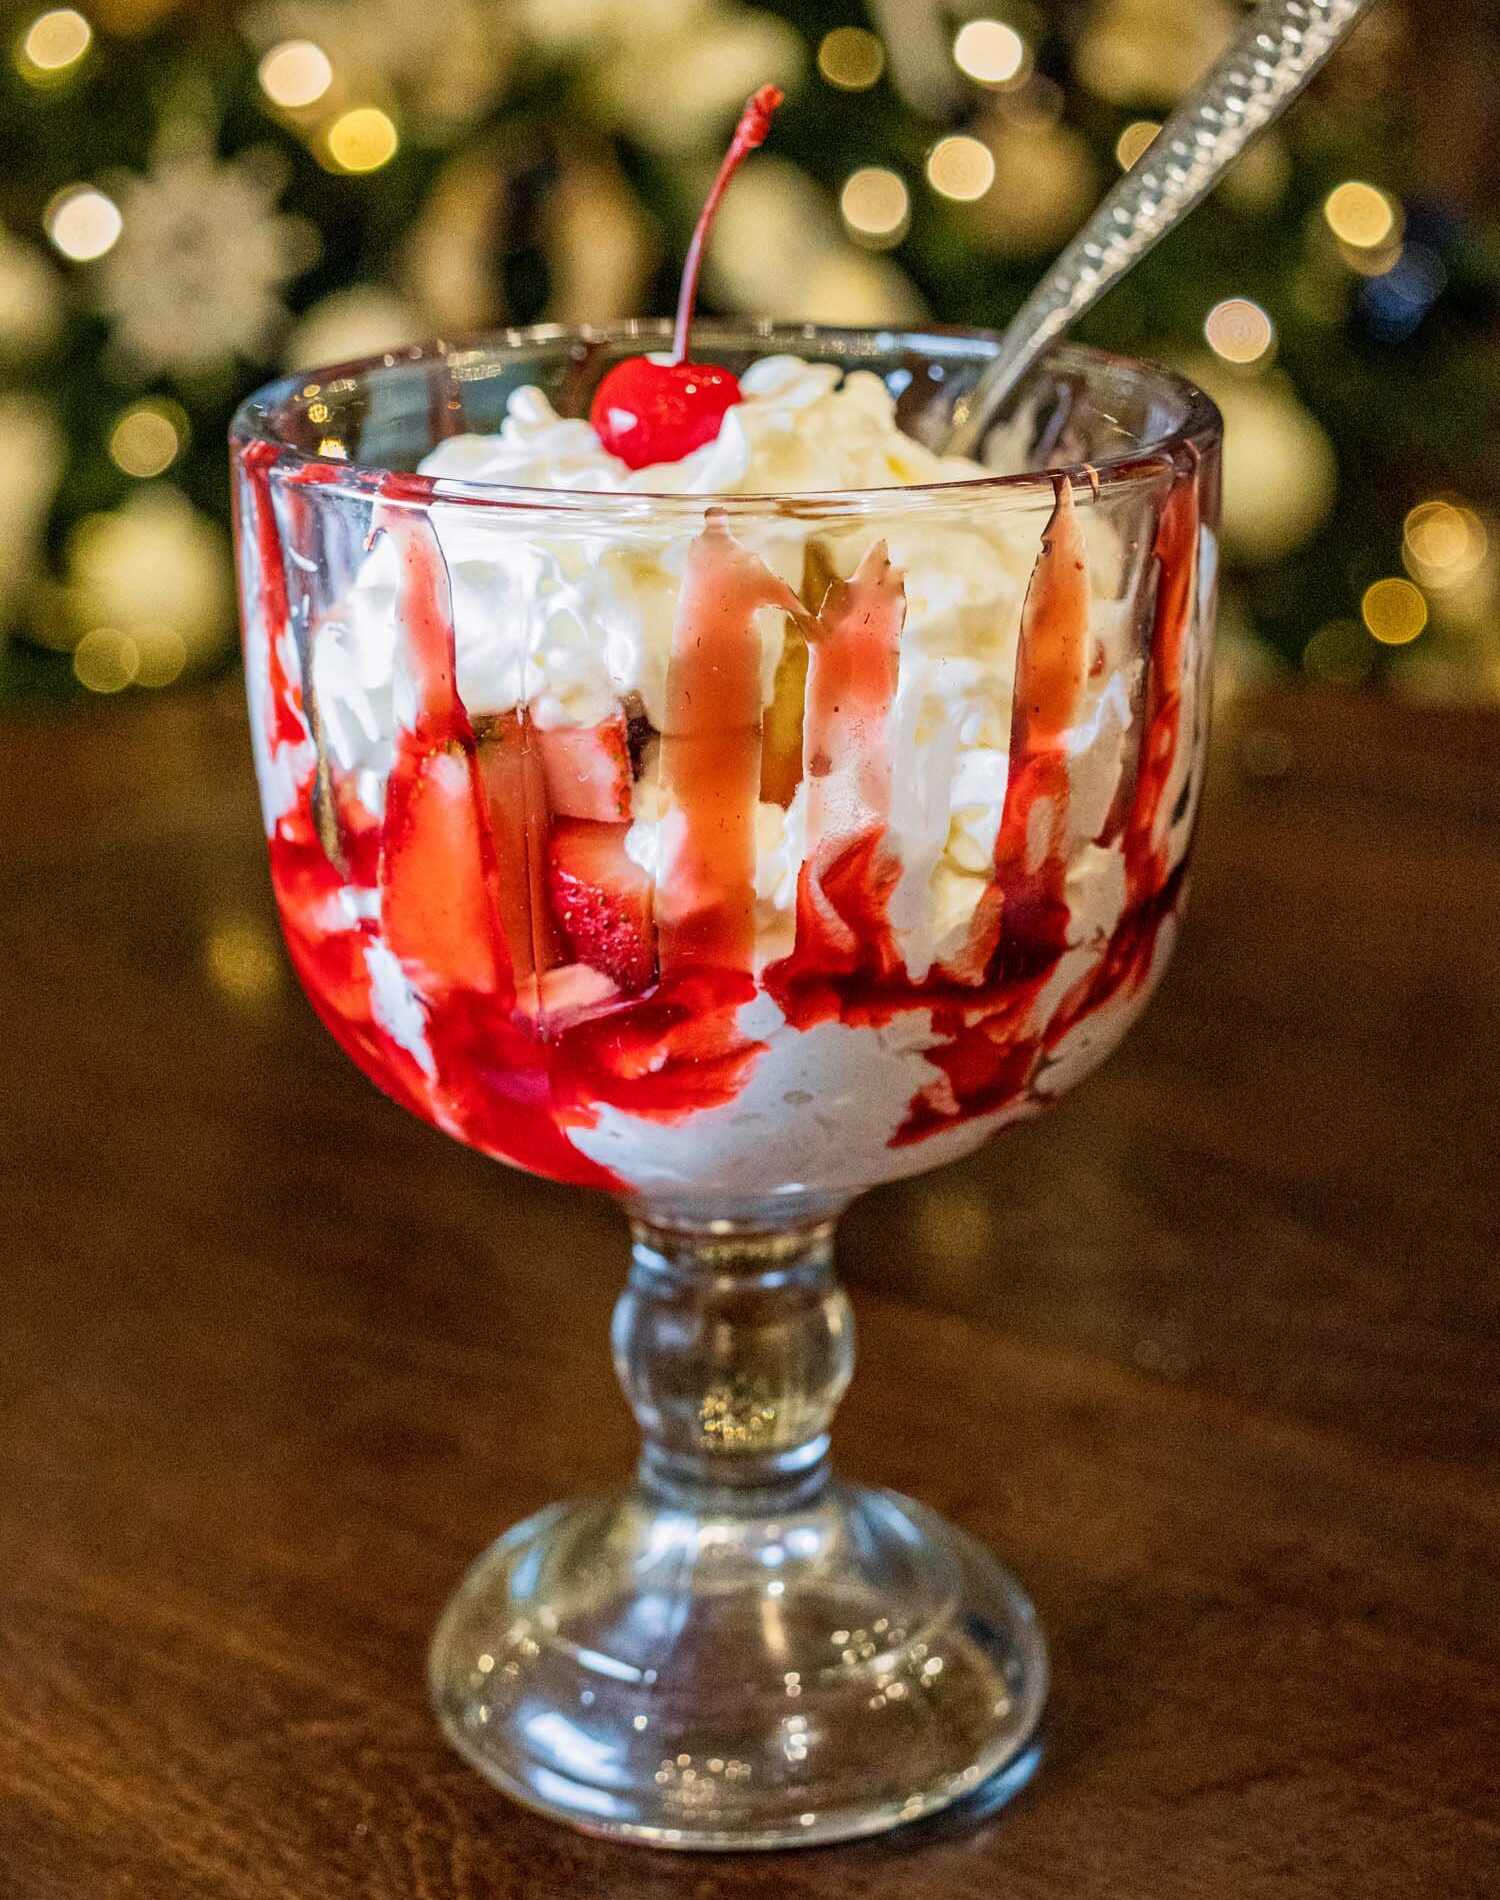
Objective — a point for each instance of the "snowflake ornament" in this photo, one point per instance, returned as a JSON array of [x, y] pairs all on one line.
[[195, 279]]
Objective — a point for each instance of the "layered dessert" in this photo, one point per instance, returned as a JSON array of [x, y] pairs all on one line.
[[736, 843]]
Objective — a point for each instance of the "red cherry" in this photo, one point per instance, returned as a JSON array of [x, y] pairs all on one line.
[[658, 412], [648, 412]]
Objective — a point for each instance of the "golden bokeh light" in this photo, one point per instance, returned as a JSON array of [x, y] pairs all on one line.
[[1340, 653], [1394, 610], [53, 42], [851, 58], [961, 167], [148, 438], [243, 961], [991, 52], [106, 660], [1371, 263], [296, 73], [1134, 142], [163, 655], [876, 206], [362, 140], [82, 223], [1362, 215], [1239, 331], [1443, 544]]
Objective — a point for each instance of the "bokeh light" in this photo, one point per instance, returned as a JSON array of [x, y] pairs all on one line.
[[876, 206], [991, 52], [961, 167], [1394, 610], [1134, 142], [851, 58], [148, 438], [1340, 653], [52, 43], [1404, 281], [243, 961], [1443, 544], [1239, 330], [106, 660], [295, 73], [82, 222], [162, 655], [1362, 215], [362, 140]]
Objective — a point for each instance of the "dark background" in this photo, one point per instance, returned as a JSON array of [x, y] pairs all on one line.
[[531, 158]]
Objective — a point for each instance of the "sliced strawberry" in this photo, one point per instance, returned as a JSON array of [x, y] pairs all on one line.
[[437, 871], [602, 901], [587, 769], [515, 787]]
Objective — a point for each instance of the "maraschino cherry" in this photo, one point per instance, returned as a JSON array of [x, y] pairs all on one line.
[[645, 411]]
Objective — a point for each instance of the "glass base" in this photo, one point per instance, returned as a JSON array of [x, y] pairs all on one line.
[[727, 1680]]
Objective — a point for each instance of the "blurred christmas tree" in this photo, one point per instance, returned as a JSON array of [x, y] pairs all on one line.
[[191, 199]]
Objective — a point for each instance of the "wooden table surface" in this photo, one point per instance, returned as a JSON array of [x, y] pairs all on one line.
[[1210, 1355]]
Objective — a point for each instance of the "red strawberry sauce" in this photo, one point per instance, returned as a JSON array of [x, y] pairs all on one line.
[[514, 1055]]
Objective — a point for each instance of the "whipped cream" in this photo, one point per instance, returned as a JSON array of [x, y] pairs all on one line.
[[571, 618]]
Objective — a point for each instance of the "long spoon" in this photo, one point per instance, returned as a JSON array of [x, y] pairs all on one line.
[[1283, 44]]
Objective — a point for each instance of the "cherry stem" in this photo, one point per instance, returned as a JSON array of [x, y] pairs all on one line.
[[755, 122]]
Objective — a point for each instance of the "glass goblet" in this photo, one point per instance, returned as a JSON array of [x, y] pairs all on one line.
[[730, 854]]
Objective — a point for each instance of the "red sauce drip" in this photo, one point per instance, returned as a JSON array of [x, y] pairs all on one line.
[[848, 875], [511, 1075], [1020, 929], [1152, 891], [285, 724], [508, 1079], [1027, 899], [710, 755], [439, 879]]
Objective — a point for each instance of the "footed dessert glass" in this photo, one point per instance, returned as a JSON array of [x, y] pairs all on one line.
[[730, 853]]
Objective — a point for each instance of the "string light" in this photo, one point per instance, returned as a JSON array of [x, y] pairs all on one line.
[[1133, 142], [851, 58], [106, 661], [54, 42], [961, 167], [362, 140], [295, 73], [1362, 216], [148, 438], [1239, 330], [1394, 611], [990, 51], [82, 223], [876, 206], [1443, 545]]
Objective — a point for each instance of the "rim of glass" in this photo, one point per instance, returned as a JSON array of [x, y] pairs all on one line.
[[256, 421]]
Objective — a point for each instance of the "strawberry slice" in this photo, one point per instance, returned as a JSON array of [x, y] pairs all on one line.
[[515, 788], [587, 769], [602, 901], [437, 869]]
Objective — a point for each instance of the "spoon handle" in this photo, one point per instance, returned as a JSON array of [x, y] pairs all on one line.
[[1282, 45]]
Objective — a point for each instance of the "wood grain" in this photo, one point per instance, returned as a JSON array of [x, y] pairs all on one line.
[[1210, 1355]]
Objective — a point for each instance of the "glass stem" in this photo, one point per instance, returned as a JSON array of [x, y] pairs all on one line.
[[734, 1346]]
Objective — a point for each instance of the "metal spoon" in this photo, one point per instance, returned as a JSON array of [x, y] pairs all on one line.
[[1283, 44]]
